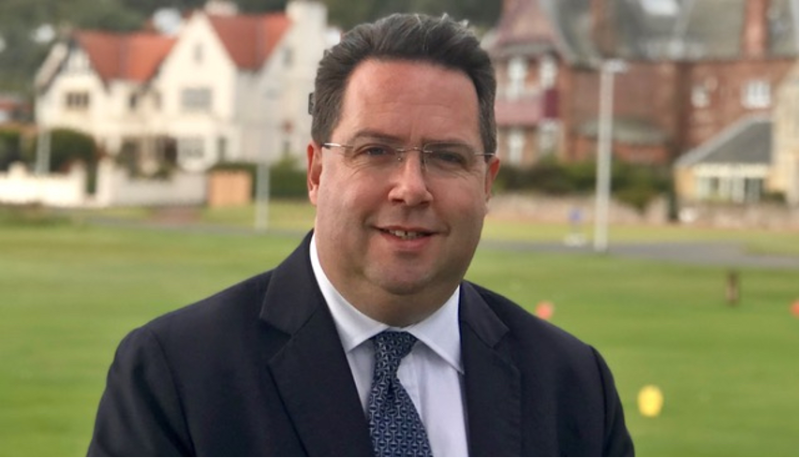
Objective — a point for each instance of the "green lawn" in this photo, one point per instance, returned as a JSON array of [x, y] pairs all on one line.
[[729, 375], [299, 215]]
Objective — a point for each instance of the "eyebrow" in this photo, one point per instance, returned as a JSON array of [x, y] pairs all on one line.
[[370, 134]]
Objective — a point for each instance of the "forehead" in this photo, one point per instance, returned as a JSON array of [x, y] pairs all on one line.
[[411, 100]]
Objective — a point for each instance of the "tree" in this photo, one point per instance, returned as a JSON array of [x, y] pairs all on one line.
[[67, 146]]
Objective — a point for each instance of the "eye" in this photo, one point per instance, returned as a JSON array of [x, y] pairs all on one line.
[[449, 155], [375, 150]]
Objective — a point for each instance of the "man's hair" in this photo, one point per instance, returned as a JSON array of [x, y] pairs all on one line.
[[414, 37]]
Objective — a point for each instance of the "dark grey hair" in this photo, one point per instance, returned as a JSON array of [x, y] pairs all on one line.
[[416, 37]]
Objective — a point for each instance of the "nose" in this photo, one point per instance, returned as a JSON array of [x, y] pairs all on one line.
[[409, 182]]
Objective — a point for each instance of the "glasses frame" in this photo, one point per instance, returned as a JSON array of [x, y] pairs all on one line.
[[401, 151]]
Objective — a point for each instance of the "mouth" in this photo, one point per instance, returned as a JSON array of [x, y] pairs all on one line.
[[407, 234]]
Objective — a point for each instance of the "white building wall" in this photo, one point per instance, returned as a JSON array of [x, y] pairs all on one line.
[[75, 76], [199, 61], [285, 82]]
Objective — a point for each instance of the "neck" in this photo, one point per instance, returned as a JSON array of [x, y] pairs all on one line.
[[399, 311]]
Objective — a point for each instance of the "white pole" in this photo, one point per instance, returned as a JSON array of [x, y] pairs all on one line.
[[262, 196], [43, 152], [603, 182]]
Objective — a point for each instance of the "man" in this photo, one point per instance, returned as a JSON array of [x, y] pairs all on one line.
[[367, 340]]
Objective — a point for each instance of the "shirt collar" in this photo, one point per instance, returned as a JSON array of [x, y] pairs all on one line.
[[439, 332]]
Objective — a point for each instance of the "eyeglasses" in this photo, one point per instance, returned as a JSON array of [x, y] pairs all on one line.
[[442, 159]]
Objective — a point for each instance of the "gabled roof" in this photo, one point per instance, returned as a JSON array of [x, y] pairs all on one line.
[[125, 56], [748, 141], [250, 39], [524, 23]]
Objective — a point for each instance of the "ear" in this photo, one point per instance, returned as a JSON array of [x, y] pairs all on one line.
[[491, 173], [314, 170]]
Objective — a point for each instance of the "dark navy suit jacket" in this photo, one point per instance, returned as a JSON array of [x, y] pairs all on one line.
[[258, 369]]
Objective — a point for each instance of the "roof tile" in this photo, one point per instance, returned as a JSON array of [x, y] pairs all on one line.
[[130, 56], [250, 39]]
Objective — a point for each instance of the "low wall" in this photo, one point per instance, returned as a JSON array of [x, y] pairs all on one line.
[[740, 216], [116, 188], [718, 215], [18, 186], [558, 209]]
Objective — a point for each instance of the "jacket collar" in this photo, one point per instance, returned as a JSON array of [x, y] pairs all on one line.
[[316, 385]]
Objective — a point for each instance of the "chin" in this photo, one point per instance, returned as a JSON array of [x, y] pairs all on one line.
[[403, 285]]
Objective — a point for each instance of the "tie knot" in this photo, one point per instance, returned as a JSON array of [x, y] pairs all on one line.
[[390, 348]]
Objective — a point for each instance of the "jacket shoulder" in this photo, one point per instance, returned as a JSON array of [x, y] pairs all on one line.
[[525, 327]]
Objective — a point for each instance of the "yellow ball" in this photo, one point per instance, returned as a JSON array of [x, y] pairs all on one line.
[[651, 400]]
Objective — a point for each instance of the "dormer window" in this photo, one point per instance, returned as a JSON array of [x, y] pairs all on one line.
[[77, 100], [661, 7]]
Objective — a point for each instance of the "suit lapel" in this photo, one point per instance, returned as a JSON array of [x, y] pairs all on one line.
[[311, 369], [491, 381]]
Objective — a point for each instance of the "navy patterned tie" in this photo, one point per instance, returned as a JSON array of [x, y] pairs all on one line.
[[394, 423]]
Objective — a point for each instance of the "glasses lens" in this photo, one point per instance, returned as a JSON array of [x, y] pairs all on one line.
[[373, 154], [443, 159], [449, 157]]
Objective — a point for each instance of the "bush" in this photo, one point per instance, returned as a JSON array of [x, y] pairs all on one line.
[[635, 185], [10, 151], [67, 146], [287, 179]]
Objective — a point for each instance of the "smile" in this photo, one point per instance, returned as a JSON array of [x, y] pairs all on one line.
[[406, 235]]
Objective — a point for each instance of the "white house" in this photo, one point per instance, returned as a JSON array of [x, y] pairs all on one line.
[[228, 86], [90, 81]]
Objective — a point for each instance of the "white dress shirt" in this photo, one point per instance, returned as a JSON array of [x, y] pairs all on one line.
[[432, 373]]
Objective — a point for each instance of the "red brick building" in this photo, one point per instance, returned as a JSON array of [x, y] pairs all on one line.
[[693, 68]]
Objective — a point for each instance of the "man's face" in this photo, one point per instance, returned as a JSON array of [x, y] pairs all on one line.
[[397, 241]]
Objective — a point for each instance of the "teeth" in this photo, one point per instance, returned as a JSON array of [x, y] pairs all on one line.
[[406, 235]]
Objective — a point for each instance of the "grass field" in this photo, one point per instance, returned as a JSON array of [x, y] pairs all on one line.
[[729, 374]]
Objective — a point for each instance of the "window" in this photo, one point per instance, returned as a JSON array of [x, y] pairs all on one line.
[[703, 187], [196, 99], [133, 102], [700, 96], [222, 148], [190, 148], [76, 100], [753, 188], [517, 71], [516, 142], [198, 53], [548, 71], [548, 137], [288, 57], [756, 94], [661, 7]]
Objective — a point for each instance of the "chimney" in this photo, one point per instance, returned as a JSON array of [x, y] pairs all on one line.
[[755, 33], [602, 27]]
